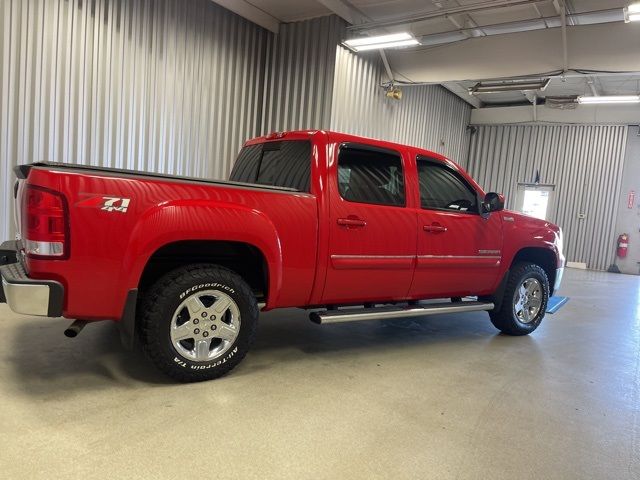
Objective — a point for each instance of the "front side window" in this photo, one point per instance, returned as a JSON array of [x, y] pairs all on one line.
[[441, 188], [281, 164], [370, 176]]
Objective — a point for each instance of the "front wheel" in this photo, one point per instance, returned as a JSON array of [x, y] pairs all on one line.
[[198, 322], [524, 302]]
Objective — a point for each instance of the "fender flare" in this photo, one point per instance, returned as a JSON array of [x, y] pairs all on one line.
[[186, 220]]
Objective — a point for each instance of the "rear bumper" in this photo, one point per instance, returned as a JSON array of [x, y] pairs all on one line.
[[23, 294]]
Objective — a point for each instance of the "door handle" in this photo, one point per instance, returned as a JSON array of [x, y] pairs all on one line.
[[434, 228], [351, 221]]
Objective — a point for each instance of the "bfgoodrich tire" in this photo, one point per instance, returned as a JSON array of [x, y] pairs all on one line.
[[198, 322], [525, 300]]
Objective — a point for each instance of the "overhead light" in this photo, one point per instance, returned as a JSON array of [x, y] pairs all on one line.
[[381, 41], [515, 86], [609, 99], [632, 12]]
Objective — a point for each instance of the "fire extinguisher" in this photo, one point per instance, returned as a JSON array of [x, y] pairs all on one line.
[[623, 245]]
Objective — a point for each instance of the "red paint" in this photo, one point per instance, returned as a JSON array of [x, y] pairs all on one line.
[[320, 249]]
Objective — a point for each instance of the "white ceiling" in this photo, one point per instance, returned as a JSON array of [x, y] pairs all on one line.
[[464, 21]]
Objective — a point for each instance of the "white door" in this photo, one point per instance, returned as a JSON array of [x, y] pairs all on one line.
[[535, 200]]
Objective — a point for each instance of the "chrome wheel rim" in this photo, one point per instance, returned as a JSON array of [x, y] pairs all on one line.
[[205, 325], [528, 300]]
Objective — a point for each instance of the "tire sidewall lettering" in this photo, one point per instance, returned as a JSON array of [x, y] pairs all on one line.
[[194, 366], [205, 286]]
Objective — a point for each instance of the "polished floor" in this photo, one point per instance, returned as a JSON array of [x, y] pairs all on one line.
[[440, 397]]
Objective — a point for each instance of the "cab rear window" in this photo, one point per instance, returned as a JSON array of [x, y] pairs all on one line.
[[280, 164]]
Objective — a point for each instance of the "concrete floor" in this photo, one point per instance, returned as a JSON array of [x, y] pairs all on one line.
[[443, 397]]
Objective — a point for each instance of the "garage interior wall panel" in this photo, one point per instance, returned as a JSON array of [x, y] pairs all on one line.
[[164, 86], [299, 75], [583, 162], [427, 116]]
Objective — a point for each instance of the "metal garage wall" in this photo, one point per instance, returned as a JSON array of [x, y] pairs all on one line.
[[583, 162], [299, 75], [160, 85], [427, 116]]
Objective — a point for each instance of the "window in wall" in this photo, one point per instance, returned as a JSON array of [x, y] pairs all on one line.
[[280, 164], [441, 188], [370, 176]]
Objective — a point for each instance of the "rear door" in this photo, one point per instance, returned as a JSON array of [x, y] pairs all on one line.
[[372, 235], [459, 251]]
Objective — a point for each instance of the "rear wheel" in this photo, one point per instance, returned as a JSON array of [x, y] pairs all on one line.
[[524, 302], [198, 322]]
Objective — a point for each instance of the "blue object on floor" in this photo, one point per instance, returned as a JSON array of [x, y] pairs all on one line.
[[554, 303]]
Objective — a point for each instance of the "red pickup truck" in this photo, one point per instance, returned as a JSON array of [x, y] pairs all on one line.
[[348, 227]]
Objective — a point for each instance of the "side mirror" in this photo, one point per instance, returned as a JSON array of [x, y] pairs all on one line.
[[493, 202]]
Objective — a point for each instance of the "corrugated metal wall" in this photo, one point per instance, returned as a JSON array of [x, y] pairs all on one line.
[[159, 85], [300, 75], [583, 162], [176, 86], [427, 116]]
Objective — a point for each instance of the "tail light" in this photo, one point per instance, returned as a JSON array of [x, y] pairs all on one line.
[[45, 223]]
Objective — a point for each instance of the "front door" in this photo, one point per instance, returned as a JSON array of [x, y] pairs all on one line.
[[372, 242], [459, 251]]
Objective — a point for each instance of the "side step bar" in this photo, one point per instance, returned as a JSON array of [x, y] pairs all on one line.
[[387, 312]]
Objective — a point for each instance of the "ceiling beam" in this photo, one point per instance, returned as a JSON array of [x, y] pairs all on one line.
[[463, 93], [610, 47], [417, 17], [582, 114], [346, 11], [562, 11], [251, 13], [591, 81]]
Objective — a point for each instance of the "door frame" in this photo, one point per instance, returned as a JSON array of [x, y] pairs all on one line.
[[521, 187]]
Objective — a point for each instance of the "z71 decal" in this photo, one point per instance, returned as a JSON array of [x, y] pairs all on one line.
[[108, 204]]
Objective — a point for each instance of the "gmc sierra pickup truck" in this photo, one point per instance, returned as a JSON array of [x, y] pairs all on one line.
[[348, 227]]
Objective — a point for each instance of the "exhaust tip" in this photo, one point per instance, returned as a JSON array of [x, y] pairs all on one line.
[[71, 333], [75, 328]]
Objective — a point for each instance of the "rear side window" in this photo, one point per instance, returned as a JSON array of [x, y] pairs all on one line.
[[281, 164], [370, 176], [441, 188]]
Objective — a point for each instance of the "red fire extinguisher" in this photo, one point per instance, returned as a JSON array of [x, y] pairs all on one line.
[[623, 245]]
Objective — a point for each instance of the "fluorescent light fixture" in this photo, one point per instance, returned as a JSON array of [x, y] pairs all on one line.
[[514, 86], [401, 43], [381, 41], [609, 99], [632, 13]]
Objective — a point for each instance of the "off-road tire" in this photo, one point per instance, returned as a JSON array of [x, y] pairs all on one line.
[[505, 318], [156, 312]]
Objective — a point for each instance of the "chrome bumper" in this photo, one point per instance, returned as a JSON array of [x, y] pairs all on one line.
[[27, 296]]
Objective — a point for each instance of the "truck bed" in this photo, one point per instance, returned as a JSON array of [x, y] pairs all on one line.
[[22, 171]]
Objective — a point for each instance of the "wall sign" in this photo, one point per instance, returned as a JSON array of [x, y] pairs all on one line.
[[631, 199]]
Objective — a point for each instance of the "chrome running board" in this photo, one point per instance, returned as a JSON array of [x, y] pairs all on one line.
[[387, 312]]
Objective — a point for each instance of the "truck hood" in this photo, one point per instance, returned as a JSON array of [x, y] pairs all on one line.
[[527, 221]]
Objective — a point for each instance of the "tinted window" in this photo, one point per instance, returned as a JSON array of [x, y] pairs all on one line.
[[370, 176], [246, 167], [281, 164], [443, 188]]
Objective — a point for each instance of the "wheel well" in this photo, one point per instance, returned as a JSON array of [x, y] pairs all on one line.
[[243, 258], [541, 257]]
